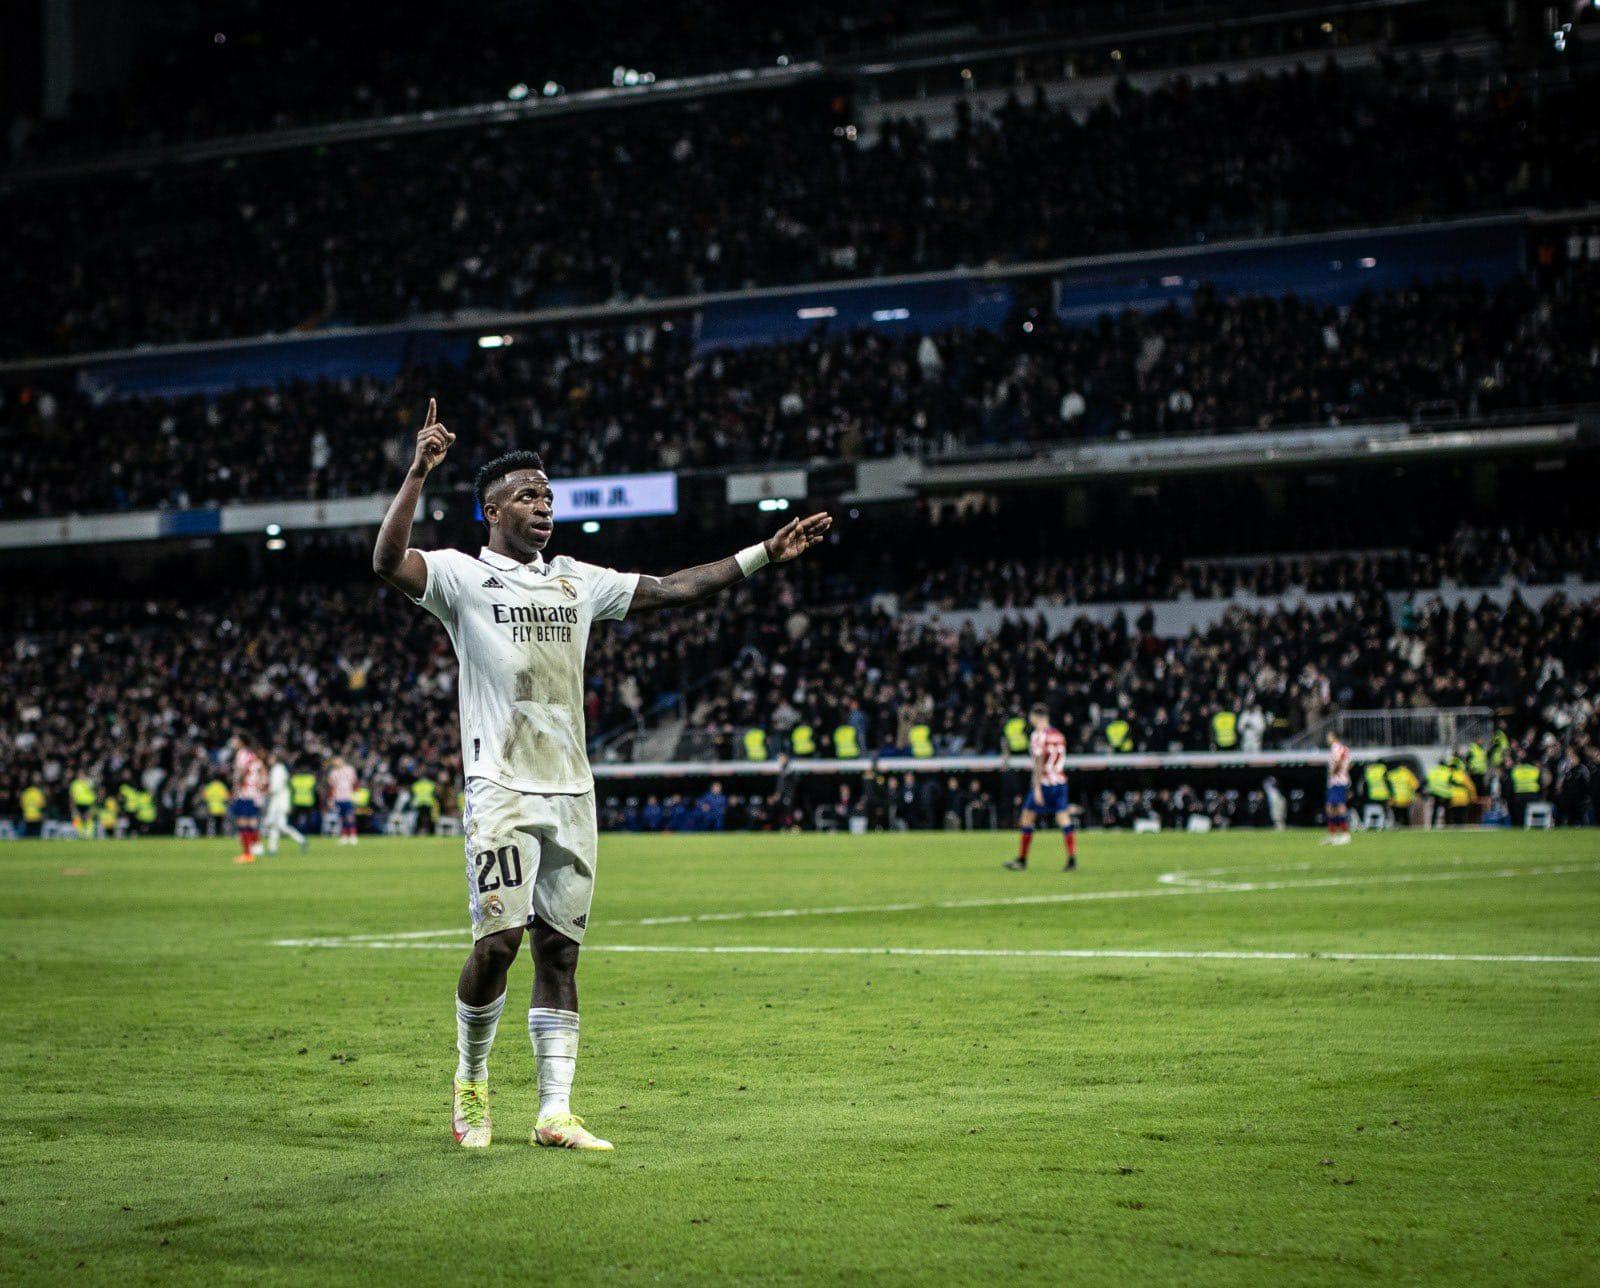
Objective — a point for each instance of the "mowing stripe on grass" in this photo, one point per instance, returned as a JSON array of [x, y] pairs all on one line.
[[1173, 883]]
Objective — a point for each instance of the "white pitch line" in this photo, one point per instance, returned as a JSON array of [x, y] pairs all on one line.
[[1137, 954], [1130, 954], [1173, 888]]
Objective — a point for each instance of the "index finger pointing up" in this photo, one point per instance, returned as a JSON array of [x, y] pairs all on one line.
[[433, 414]]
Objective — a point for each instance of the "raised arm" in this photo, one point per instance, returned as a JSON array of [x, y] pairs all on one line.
[[392, 556], [694, 584]]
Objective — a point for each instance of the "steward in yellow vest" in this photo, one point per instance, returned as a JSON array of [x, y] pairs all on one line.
[[82, 795], [845, 745], [216, 795], [1439, 782], [33, 803], [1016, 732], [1119, 733], [803, 740], [755, 744], [1377, 778], [425, 801], [1225, 730], [303, 790], [1526, 782], [921, 741], [1403, 784]]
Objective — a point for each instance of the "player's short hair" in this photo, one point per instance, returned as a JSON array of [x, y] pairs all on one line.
[[1039, 709], [498, 468]]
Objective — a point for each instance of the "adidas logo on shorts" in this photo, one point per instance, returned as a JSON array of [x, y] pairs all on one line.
[[581, 922], [494, 583]]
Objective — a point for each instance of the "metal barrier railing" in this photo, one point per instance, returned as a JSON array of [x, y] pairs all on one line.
[[1419, 727]]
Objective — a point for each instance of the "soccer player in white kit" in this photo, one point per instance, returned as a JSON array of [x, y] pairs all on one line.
[[276, 822], [520, 626]]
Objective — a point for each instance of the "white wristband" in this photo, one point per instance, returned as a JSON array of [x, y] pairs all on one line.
[[753, 558]]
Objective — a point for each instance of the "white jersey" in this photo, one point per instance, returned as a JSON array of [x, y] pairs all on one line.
[[520, 632], [278, 780]]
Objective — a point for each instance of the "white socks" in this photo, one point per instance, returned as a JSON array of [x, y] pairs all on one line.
[[475, 1026], [555, 1043]]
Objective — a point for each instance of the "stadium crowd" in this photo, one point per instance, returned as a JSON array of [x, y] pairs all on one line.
[[150, 691], [648, 400], [1470, 557], [269, 71], [757, 190]]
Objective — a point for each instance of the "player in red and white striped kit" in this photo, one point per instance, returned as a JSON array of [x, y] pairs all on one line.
[[342, 794], [1047, 794], [1338, 803], [249, 791]]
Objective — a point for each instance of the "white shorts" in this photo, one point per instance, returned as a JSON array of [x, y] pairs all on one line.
[[528, 854], [277, 811]]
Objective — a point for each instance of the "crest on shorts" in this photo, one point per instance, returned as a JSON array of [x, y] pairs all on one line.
[[493, 907], [567, 588]]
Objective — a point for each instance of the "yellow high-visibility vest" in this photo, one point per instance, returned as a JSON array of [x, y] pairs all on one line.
[[845, 745], [144, 808], [1525, 779], [425, 793], [1225, 730], [1478, 759], [1499, 748], [1403, 784], [302, 790], [921, 741], [755, 744], [1439, 781], [1119, 733], [363, 800], [32, 803], [1016, 735], [82, 793], [803, 740], [1377, 774], [216, 797]]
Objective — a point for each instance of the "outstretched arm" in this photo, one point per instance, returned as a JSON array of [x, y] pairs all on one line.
[[392, 556], [694, 584]]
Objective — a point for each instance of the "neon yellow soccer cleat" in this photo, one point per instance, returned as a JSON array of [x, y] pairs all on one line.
[[566, 1131], [470, 1123]]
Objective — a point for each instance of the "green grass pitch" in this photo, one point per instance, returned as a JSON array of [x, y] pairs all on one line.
[[1387, 1074]]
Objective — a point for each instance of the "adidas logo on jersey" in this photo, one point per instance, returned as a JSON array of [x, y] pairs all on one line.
[[494, 583]]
